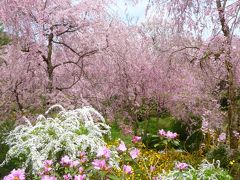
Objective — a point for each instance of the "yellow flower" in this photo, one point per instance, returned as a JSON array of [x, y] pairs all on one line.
[[232, 162]]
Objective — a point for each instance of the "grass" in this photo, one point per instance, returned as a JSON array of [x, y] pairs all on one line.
[[154, 124], [116, 134]]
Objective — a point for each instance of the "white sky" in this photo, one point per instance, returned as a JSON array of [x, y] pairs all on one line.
[[128, 11]]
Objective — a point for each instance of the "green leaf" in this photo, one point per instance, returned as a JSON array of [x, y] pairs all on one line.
[[156, 145], [113, 177], [102, 173], [165, 142]]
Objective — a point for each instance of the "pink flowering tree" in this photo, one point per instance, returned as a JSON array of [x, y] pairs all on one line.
[[51, 42], [220, 19]]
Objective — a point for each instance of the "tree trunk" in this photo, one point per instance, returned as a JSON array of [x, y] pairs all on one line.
[[232, 113], [48, 60], [49, 64], [233, 106]]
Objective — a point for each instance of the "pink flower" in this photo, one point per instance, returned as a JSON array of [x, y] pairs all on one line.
[[67, 177], [157, 178], [162, 132], [236, 134], [127, 169], [104, 151], [81, 170], [171, 135], [83, 157], [222, 137], [136, 139], [122, 147], [181, 166], [134, 153], [65, 161], [127, 130], [82, 154], [75, 163], [18, 174], [152, 168], [46, 177], [83, 160], [47, 165], [80, 177], [100, 164]]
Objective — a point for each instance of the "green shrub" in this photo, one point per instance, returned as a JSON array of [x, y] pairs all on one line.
[[219, 153], [189, 140], [5, 128]]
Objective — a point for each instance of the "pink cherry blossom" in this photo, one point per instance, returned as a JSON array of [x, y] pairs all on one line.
[[134, 153], [122, 147], [127, 169], [18, 174], [104, 151]]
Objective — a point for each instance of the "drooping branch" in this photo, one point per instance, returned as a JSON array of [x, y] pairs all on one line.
[[75, 81]]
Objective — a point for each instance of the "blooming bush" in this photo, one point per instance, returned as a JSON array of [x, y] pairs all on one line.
[[134, 163], [148, 163], [67, 133], [71, 146], [166, 139]]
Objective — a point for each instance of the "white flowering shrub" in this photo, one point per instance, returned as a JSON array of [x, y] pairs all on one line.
[[67, 132], [205, 170]]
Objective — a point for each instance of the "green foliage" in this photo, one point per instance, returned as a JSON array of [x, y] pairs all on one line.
[[4, 39], [160, 143], [219, 153], [5, 128], [157, 123], [116, 134], [194, 141], [190, 142]]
